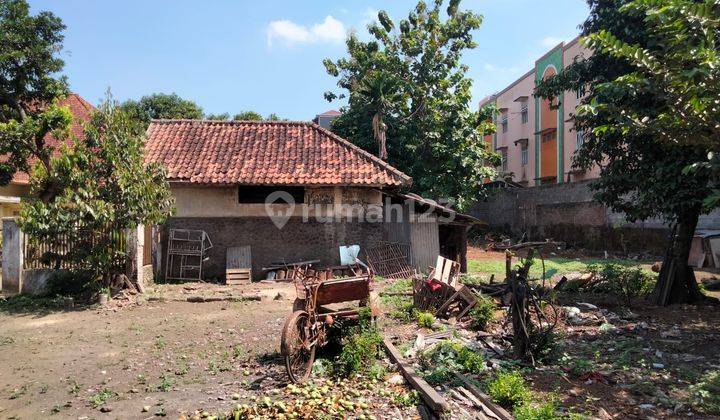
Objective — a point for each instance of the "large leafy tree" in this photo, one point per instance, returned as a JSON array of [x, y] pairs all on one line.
[[651, 116], [104, 187], [29, 63], [409, 100], [161, 106]]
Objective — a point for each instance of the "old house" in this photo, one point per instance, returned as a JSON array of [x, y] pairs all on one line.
[[229, 178]]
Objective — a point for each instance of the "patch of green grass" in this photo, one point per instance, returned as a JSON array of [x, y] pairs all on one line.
[[553, 266], [25, 303], [99, 398], [360, 350], [18, 392]]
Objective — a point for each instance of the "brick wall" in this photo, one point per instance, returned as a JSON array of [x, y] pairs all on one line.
[[296, 241], [567, 212]]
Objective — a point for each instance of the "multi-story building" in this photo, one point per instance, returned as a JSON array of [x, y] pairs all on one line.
[[535, 136]]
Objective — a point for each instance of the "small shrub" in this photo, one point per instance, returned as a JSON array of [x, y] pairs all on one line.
[[534, 411], [441, 360], [509, 389], [705, 394], [407, 399], [70, 283], [425, 319], [359, 350], [621, 281], [482, 313], [545, 346]]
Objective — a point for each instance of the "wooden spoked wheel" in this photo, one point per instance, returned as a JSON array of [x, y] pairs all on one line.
[[299, 356]]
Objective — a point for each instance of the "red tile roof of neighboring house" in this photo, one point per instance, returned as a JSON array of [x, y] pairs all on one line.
[[263, 153], [81, 111], [330, 113]]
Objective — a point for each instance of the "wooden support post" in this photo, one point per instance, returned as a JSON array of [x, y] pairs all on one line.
[[435, 401]]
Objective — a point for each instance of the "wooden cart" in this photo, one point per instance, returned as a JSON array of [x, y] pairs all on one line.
[[305, 329]]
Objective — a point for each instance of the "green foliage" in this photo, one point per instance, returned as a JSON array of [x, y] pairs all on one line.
[[650, 115], [408, 93], [98, 187], [161, 106], [425, 319], [377, 371], [482, 313], [537, 411], [70, 283], [248, 116], [359, 350], [407, 399], [625, 282], [509, 389], [441, 360], [218, 117], [705, 394], [99, 398], [166, 383], [29, 64]]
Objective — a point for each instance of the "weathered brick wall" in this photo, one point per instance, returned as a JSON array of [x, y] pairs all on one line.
[[568, 212], [296, 241]]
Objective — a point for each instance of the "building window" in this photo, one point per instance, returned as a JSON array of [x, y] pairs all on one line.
[[580, 92], [524, 154], [524, 114], [504, 160], [549, 136], [252, 194], [579, 139], [504, 124]]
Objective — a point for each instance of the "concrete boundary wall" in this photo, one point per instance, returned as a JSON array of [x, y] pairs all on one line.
[[567, 212]]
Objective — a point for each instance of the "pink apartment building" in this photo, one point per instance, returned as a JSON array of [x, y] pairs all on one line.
[[535, 136]]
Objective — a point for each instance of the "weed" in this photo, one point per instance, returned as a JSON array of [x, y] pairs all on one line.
[[160, 342], [99, 398], [165, 384], [18, 392], [377, 371], [705, 394], [182, 368], [509, 389], [534, 411], [425, 319], [142, 379], [359, 351], [404, 311], [441, 360], [239, 353], [482, 313], [75, 387], [407, 399], [624, 282], [44, 388]]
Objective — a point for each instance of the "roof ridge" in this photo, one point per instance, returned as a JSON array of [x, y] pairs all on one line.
[[363, 152], [231, 122]]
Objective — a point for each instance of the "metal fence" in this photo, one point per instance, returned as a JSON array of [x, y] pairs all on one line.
[[44, 254]]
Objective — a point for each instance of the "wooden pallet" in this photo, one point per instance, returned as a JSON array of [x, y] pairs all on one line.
[[238, 276]]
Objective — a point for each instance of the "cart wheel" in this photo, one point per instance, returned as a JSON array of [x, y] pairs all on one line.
[[298, 359], [298, 304]]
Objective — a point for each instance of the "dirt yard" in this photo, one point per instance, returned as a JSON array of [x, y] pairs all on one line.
[[169, 355], [165, 356]]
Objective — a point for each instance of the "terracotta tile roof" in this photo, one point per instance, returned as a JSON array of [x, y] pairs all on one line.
[[263, 153], [81, 111]]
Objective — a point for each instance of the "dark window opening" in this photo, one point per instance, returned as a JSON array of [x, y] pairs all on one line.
[[248, 194]]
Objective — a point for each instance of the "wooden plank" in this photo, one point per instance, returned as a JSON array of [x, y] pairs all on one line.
[[500, 412], [435, 401]]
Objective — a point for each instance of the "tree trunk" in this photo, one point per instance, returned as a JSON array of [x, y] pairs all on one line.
[[676, 282]]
